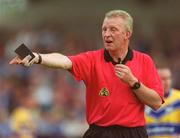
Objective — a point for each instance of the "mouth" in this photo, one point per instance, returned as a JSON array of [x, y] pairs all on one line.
[[108, 41]]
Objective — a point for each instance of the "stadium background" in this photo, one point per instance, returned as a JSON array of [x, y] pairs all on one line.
[[47, 102]]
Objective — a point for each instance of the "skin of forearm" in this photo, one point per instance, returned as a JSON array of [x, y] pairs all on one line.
[[148, 97], [56, 60]]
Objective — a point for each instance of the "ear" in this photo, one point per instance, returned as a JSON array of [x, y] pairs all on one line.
[[128, 34]]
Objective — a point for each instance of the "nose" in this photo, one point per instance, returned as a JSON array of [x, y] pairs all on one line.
[[107, 33]]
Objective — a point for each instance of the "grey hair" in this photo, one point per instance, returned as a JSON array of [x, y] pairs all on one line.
[[128, 20]]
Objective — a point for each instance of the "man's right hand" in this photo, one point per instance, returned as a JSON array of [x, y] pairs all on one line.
[[26, 61]]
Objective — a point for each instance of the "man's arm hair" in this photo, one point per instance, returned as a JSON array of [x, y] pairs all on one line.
[[56, 60], [149, 97]]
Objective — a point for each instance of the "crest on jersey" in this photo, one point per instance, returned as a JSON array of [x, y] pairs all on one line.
[[104, 92]]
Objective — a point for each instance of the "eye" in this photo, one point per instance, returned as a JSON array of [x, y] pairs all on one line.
[[113, 29], [104, 29]]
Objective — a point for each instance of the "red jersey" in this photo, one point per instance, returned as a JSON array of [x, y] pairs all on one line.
[[110, 101]]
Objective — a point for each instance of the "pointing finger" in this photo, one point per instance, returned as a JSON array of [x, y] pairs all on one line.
[[15, 60]]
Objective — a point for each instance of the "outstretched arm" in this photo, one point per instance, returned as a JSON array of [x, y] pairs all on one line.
[[53, 60]]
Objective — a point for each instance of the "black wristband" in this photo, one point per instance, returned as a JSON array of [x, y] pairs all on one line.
[[40, 59]]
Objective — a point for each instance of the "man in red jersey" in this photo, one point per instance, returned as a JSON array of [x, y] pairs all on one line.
[[119, 81]]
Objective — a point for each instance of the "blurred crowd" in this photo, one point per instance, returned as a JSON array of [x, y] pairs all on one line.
[[41, 102], [38, 102]]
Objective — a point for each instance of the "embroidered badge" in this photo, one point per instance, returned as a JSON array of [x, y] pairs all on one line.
[[104, 92]]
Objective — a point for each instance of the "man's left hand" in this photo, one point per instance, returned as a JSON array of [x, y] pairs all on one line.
[[125, 74]]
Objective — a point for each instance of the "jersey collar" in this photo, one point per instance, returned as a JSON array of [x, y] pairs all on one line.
[[108, 58]]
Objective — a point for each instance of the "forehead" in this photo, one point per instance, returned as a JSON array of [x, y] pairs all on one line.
[[164, 72], [113, 21]]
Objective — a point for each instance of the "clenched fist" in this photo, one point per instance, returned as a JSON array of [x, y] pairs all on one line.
[[125, 74]]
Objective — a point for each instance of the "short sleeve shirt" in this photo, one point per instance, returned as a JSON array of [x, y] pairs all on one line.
[[110, 101]]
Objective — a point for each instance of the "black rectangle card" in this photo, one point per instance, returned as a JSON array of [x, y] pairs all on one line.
[[24, 51]]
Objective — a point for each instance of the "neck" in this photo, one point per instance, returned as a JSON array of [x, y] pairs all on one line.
[[120, 53]]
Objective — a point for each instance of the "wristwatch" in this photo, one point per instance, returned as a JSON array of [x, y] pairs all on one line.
[[136, 85]]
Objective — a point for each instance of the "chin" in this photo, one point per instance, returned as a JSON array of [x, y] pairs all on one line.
[[109, 48]]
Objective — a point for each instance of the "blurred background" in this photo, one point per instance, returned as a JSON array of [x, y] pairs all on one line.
[[38, 102]]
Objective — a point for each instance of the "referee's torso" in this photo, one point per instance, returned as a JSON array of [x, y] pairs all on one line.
[[109, 101]]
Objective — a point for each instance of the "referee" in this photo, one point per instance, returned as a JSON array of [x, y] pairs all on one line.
[[119, 81]]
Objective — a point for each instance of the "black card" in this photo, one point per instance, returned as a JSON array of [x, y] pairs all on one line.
[[24, 51]]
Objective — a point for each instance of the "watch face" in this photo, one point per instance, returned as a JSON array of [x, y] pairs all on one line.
[[136, 85]]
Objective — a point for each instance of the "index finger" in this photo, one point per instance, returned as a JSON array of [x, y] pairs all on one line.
[[15, 60]]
